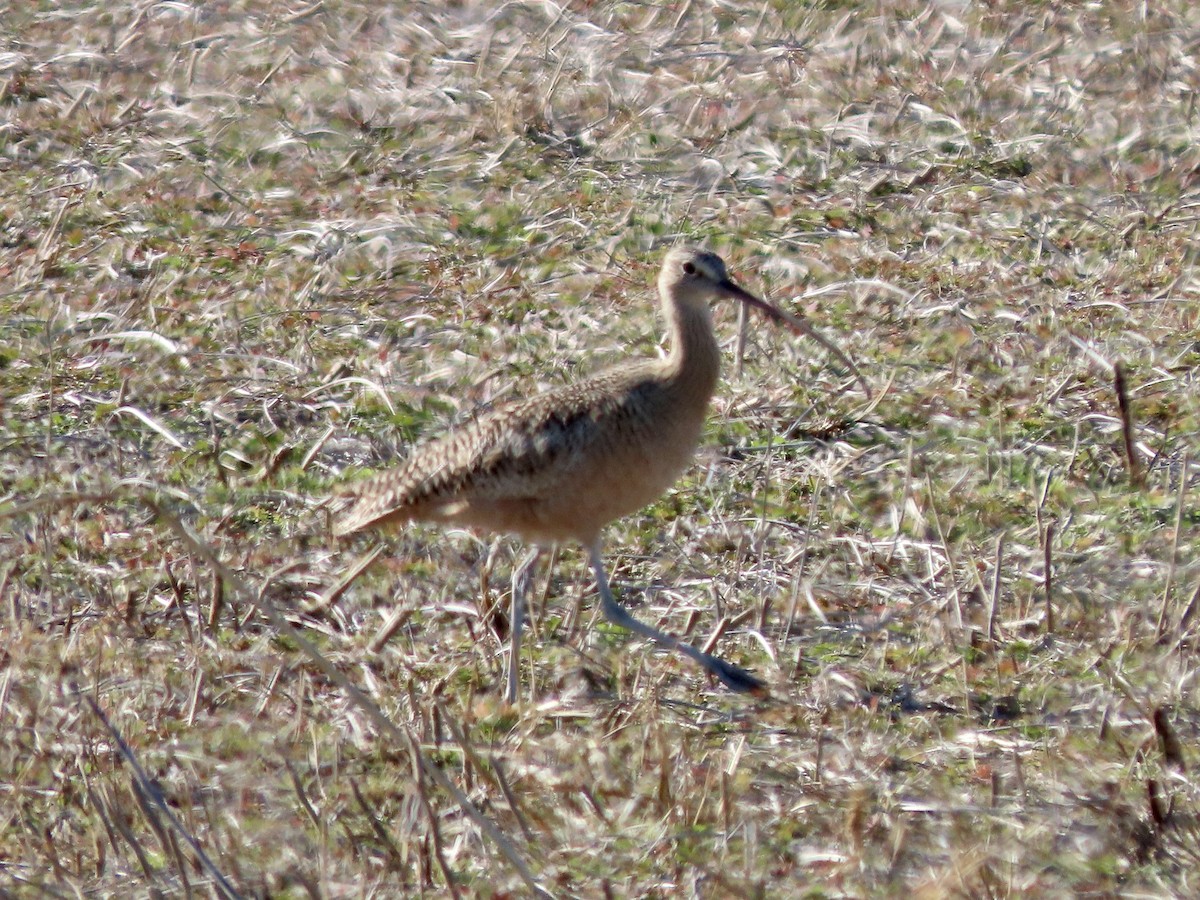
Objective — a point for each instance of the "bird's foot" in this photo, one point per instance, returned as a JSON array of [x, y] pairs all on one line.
[[736, 678]]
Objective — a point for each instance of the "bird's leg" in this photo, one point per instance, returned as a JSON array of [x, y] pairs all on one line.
[[734, 677], [516, 622]]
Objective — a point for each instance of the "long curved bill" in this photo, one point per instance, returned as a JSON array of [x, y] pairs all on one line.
[[736, 292]]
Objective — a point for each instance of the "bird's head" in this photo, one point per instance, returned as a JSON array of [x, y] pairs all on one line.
[[691, 276], [695, 275]]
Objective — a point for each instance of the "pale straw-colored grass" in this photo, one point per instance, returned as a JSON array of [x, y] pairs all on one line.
[[249, 248]]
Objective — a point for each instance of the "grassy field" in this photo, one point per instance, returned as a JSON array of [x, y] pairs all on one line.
[[249, 250]]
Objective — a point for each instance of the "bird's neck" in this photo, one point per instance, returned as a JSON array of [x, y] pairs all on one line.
[[694, 360]]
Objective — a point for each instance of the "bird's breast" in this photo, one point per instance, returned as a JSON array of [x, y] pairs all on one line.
[[618, 476]]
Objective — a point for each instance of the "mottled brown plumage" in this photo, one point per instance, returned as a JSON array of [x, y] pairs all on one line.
[[521, 468], [563, 464]]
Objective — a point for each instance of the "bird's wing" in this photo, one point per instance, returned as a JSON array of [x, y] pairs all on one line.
[[519, 450]]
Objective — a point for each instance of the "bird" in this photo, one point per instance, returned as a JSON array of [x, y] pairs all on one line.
[[565, 463]]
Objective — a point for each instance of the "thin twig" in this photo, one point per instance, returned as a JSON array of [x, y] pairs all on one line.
[[1136, 478], [151, 793], [1185, 620], [505, 789], [1168, 740], [994, 616], [1173, 562], [332, 595], [1046, 548], [419, 771], [395, 857]]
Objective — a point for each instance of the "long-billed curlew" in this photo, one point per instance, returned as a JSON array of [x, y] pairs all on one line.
[[565, 463]]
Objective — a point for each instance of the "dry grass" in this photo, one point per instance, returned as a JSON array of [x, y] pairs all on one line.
[[247, 247]]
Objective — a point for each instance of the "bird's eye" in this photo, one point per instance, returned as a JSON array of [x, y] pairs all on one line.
[[689, 268]]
